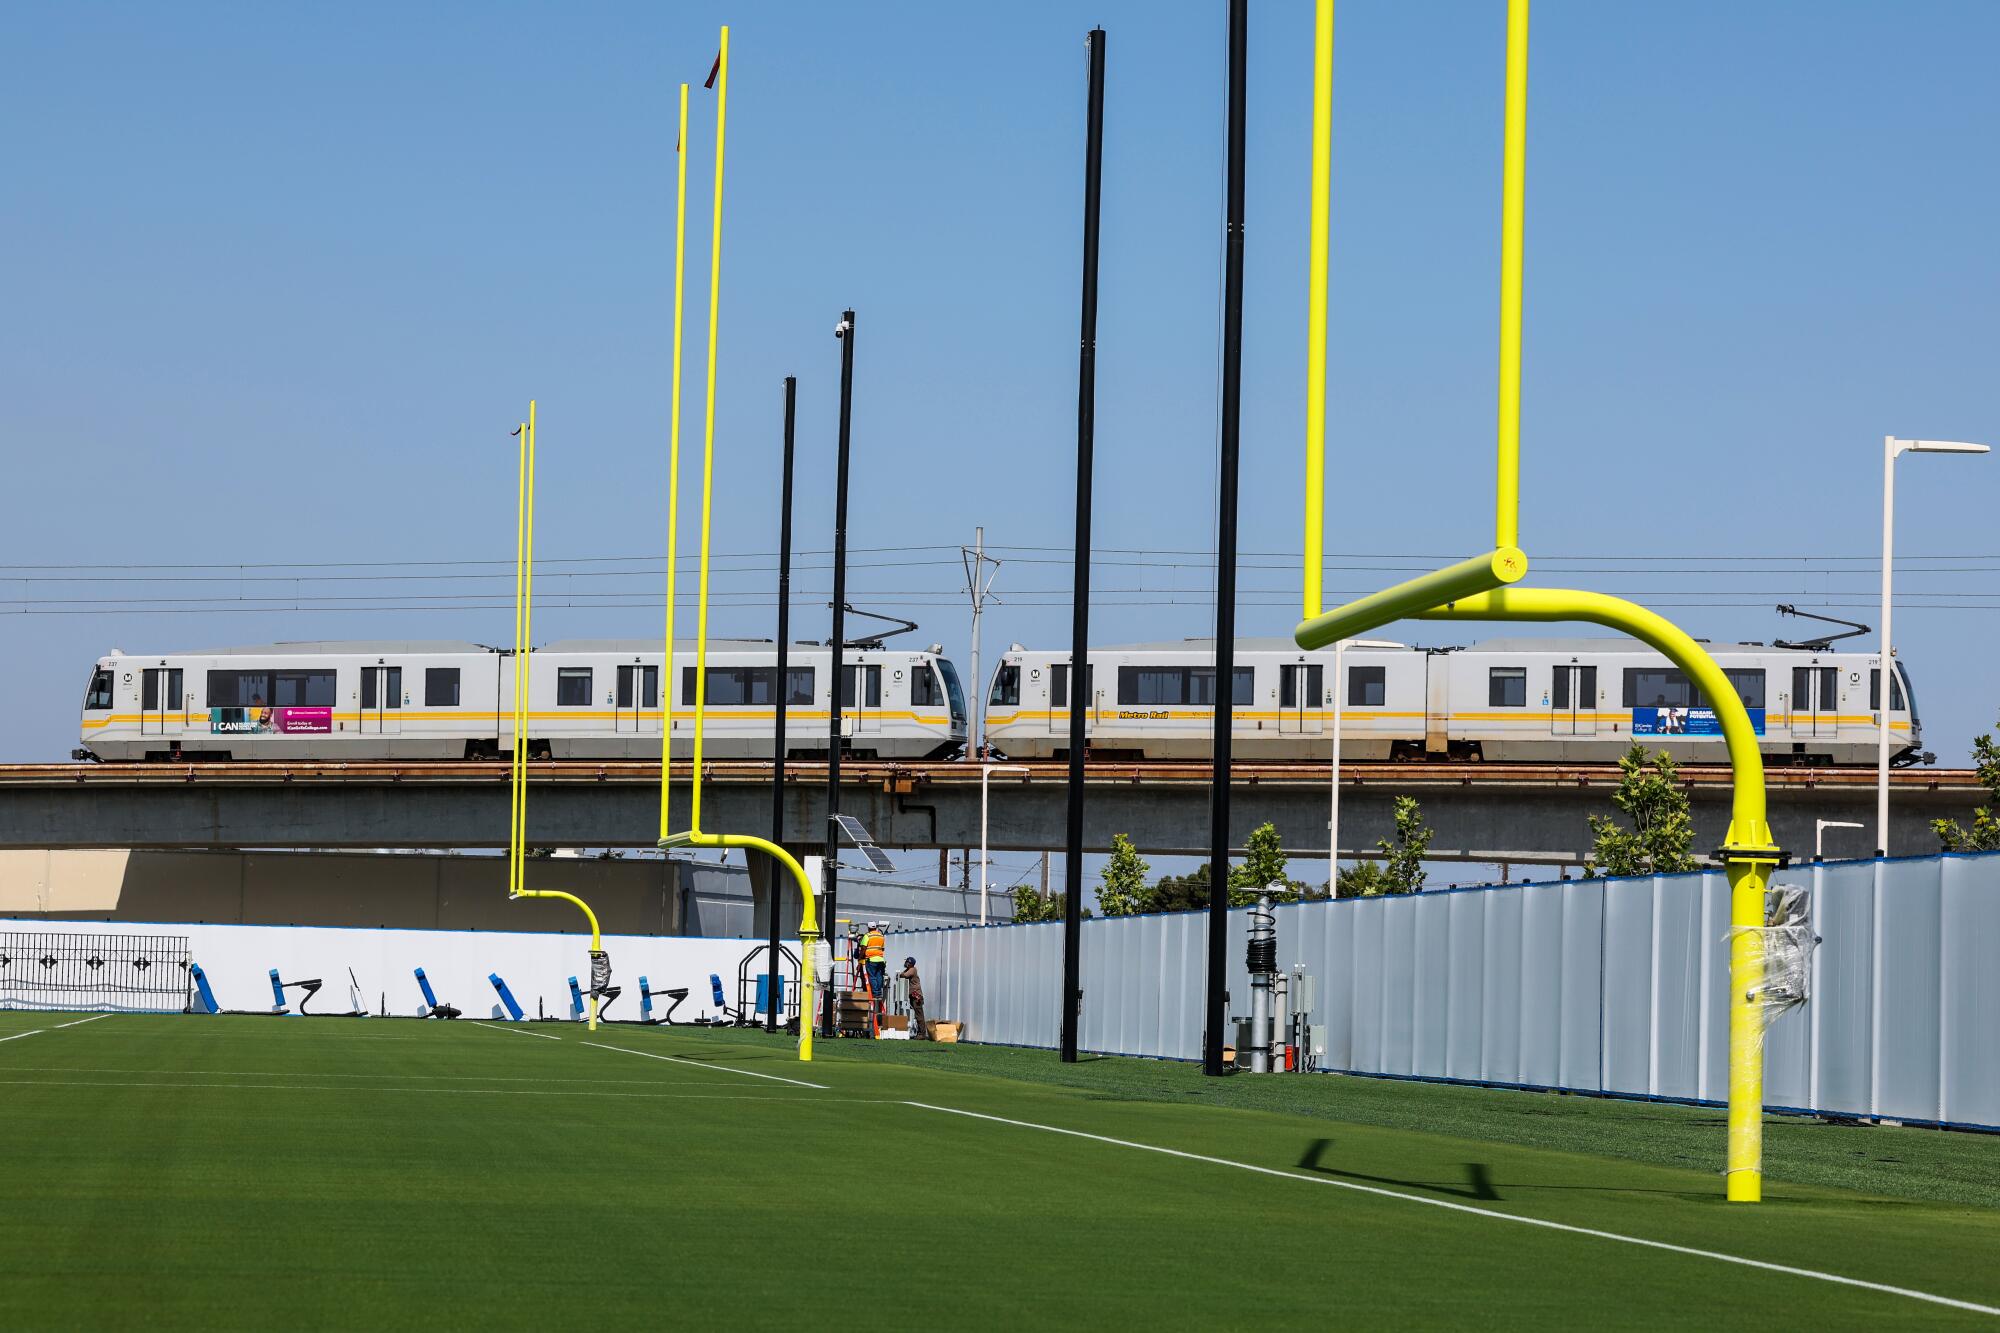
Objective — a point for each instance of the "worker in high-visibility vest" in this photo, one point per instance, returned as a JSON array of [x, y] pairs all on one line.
[[875, 948]]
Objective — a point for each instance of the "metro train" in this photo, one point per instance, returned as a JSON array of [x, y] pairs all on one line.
[[1508, 700], [588, 699]]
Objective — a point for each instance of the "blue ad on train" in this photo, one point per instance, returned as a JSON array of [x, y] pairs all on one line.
[[1685, 721]]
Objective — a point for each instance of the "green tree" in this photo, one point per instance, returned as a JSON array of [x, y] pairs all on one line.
[[1123, 890], [1363, 879], [1661, 839], [1182, 893], [1032, 906], [1263, 865], [1403, 858], [1984, 835]]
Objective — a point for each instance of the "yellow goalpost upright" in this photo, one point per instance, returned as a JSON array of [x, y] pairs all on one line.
[[1482, 586], [695, 836]]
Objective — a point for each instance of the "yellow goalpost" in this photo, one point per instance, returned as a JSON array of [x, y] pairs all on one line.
[[1482, 587]]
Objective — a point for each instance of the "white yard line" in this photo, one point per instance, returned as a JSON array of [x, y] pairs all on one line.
[[519, 1032], [1490, 1214], [703, 1064], [37, 1031], [486, 1092]]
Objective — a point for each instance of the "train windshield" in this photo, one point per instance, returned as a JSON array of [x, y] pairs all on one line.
[[953, 693], [1909, 695], [98, 697]]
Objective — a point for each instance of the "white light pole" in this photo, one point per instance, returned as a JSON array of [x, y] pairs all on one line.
[[1333, 795], [986, 771], [1820, 826], [1892, 448]]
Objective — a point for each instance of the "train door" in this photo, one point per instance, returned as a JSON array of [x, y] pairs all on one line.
[[1059, 697], [1301, 699], [861, 700], [1815, 701], [159, 696], [638, 692], [381, 700], [1573, 701]]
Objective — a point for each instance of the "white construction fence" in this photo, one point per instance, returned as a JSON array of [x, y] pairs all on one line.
[[1615, 986]]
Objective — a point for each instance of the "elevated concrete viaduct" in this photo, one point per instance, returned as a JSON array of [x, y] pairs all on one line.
[[1527, 814]]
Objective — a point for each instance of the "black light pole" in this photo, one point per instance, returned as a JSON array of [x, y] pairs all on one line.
[[1079, 659], [828, 925], [1225, 549], [774, 1006]]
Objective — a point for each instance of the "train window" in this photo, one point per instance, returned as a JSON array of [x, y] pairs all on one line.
[[1507, 687], [1288, 686], [1006, 684], [387, 680], [98, 696], [1749, 683], [311, 689], [1875, 692], [1367, 687], [573, 687], [150, 692], [925, 692], [1659, 687], [748, 686], [1059, 683], [440, 687], [872, 688], [954, 694], [1182, 685], [239, 689]]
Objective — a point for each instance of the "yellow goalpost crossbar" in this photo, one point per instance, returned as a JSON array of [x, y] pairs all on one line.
[[524, 610], [1481, 588], [695, 837]]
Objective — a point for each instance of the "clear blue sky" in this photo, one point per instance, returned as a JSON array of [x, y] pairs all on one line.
[[281, 279]]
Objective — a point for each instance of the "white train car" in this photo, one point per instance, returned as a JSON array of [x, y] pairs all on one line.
[[1508, 700], [588, 699]]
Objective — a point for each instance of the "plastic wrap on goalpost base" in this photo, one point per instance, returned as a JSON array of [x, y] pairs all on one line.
[[1784, 947]]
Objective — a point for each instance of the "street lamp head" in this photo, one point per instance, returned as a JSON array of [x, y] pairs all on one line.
[[1897, 446]]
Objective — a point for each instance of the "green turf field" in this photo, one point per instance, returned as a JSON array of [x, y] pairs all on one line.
[[242, 1171]]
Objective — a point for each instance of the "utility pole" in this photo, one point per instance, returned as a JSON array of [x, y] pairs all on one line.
[[1079, 661], [845, 332], [1225, 547], [775, 996], [977, 582]]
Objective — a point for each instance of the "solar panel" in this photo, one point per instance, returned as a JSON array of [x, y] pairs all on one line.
[[878, 860]]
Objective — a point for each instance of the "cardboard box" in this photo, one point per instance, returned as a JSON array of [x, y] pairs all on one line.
[[896, 1023], [945, 1032]]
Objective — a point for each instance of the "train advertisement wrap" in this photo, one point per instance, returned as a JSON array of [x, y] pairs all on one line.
[[1685, 722], [269, 721]]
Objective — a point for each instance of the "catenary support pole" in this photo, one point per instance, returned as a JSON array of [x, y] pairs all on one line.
[[774, 1010], [1079, 661], [1225, 548], [838, 643]]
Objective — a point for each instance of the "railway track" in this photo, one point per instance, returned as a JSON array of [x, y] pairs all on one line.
[[907, 775]]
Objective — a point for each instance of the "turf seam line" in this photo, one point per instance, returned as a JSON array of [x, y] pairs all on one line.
[[1816, 1275], [703, 1064], [519, 1032]]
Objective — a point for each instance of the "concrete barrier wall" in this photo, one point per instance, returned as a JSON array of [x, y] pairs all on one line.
[[418, 891], [1616, 986], [535, 966]]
